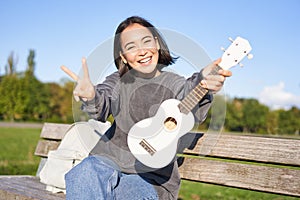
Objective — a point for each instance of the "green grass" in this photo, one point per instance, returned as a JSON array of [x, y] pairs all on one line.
[[17, 158], [17, 151]]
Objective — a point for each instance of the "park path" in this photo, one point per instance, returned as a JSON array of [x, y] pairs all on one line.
[[21, 124]]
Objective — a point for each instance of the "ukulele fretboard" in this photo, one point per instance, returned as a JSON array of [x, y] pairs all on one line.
[[194, 97]]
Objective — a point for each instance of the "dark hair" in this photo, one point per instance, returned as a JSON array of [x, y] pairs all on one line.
[[164, 58]]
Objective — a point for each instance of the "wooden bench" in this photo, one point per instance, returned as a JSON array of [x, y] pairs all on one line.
[[250, 162]]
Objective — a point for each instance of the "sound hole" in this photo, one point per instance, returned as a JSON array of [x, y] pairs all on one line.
[[170, 123]]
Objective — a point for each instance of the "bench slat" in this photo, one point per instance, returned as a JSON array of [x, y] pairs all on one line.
[[44, 146], [25, 188], [252, 148], [54, 131], [253, 177], [261, 149]]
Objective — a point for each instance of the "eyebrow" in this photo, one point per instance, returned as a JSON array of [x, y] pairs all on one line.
[[147, 36]]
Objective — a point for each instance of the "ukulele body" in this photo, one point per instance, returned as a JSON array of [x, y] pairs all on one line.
[[153, 141]]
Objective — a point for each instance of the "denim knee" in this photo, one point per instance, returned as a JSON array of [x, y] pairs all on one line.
[[80, 170], [93, 178]]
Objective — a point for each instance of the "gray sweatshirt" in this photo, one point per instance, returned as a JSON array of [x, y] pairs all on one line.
[[130, 99]]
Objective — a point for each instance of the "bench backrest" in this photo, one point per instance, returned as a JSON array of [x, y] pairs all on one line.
[[256, 163]]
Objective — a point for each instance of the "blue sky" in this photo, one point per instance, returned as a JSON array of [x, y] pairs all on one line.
[[61, 32]]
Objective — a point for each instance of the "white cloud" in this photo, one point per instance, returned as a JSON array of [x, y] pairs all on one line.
[[276, 97]]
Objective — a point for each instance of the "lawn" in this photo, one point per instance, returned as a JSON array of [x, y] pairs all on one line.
[[17, 150], [17, 158]]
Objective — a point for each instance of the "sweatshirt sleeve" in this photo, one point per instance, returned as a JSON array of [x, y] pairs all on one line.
[[99, 108]]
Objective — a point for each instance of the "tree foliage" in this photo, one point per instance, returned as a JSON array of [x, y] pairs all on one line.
[[30, 62], [25, 98], [8, 101], [289, 121], [10, 68], [60, 101], [249, 116]]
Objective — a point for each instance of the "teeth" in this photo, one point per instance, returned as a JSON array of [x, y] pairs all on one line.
[[145, 60]]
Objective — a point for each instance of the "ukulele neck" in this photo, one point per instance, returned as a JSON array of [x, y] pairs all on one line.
[[194, 97]]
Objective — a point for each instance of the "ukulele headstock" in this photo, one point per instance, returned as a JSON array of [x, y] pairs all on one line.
[[232, 56]]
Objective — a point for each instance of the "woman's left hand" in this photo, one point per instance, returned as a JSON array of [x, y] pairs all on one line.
[[214, 83]]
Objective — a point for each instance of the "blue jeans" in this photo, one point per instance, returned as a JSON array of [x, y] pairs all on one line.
[[98, 178]]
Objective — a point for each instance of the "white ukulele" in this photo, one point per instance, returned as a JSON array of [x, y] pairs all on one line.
[[153, 141]]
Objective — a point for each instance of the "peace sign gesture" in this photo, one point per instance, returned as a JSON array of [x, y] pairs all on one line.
[[84, 88]]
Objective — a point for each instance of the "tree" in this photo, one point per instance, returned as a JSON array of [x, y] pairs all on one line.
[[31, 62], [60, 101], [246, 115], [289, 121], [24, 97], [254, 116], [234, 115], [8, 100], [10, 67], [8, 89], [272, 122]]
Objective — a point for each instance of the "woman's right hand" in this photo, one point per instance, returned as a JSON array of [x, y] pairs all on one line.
[[84, 88]]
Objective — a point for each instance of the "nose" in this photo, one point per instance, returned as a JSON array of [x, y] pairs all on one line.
[[142, 51]]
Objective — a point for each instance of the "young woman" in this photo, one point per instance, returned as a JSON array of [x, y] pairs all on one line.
[[131, 94]]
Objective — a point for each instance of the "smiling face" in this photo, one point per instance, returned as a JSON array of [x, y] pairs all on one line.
[[140, 50]]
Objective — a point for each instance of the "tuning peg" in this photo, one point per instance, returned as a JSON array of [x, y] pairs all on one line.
[[223, 49], [249, 56], [241, 65], [230, 39]]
